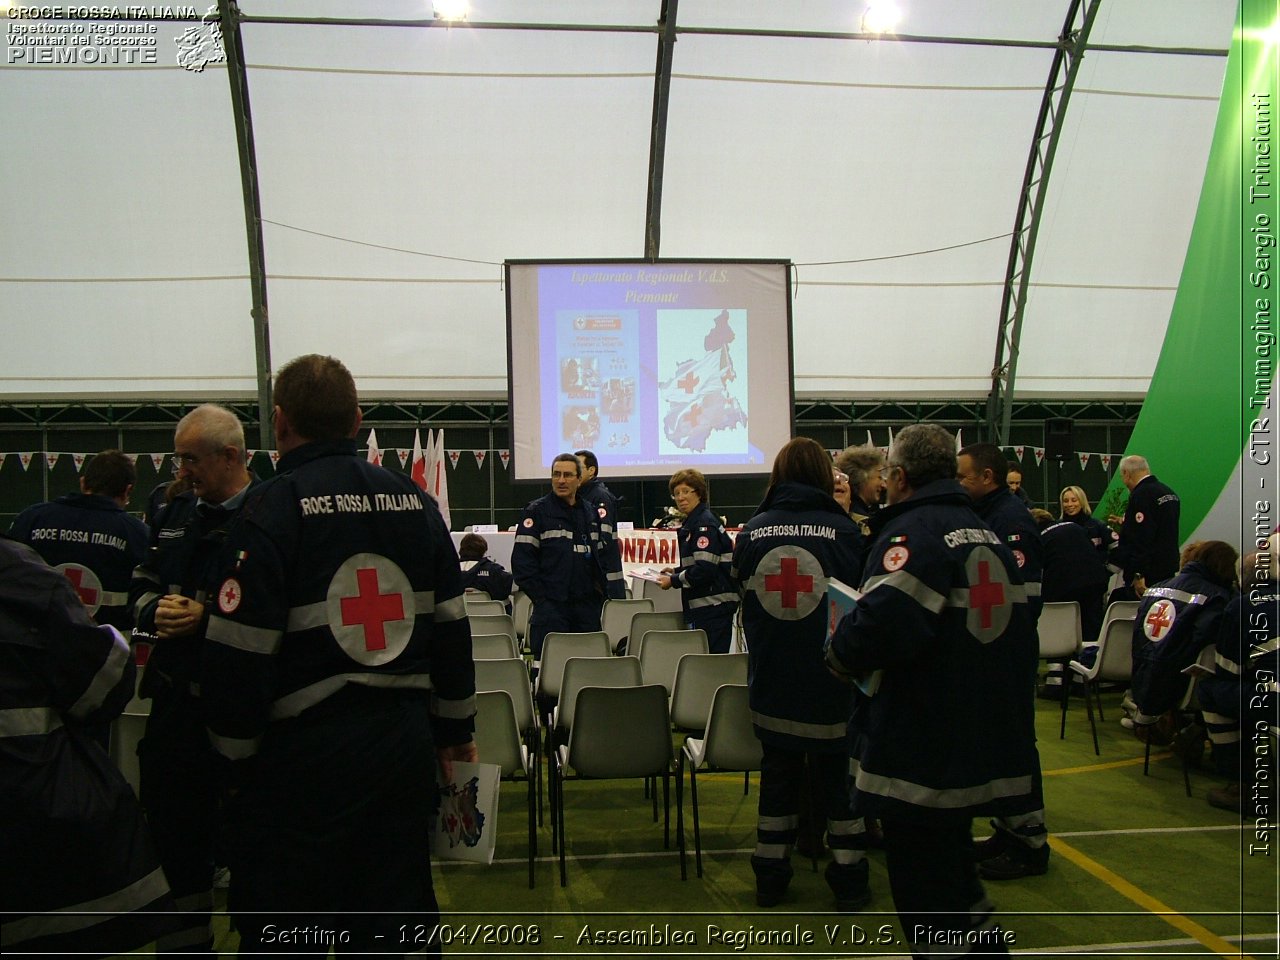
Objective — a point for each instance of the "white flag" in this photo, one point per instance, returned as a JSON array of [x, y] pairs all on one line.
[[420, 458], [375, 453], [438, 480]]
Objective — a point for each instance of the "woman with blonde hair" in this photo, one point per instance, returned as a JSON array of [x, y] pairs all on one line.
[[1073, 505]]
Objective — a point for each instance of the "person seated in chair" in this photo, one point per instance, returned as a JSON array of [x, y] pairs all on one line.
[[479, 572], [1176, 620]]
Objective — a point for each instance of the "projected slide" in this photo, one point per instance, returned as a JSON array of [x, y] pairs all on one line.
[[654, 366]]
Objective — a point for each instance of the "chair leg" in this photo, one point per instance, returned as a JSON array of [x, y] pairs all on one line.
[[1146, 758], [684, 867], [1097, 689], [559, 801], [697, 830], [1067, 679], [746, 782], [1093, 727], [653, 792], [533, 828], [666, 810]]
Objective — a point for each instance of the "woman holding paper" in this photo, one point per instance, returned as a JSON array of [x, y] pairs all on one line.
[[706, 555]]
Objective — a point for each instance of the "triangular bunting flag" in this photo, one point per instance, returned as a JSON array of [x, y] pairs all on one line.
[[251, 454], [157, 460], [51, 458], [1018, 452], [403, 456], [1106, 461], [454, 456], [25, 459], [505, 457], [275, 457], [480, 454], [959, 442], [1084, 460], [1039, 452], [2, 456], [133, 458], [79, 459]]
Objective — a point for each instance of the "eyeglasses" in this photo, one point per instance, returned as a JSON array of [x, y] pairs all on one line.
[[180, 460], [842, 478]]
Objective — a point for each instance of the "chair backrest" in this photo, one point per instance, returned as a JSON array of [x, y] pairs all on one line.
[[513, 677], [661, 652], [475, 593], [483, 608], [1059, 630], [621, 732], [580, 672], [642, 623], [559, 647], [497, 733], [1117, 610], [1115, 655], [493, 623], [731, 742], [698, 677], [493, 646], [615, 617], [521, 611]]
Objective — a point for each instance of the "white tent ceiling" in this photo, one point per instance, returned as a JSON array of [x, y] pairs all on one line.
[[400, 166]]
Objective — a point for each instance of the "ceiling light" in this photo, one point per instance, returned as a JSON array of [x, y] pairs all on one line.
[[881, 16], [451, 10]]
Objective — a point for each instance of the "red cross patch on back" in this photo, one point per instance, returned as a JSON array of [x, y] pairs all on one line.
[[1159, 620], [990, 597], [789, 583], [86, 584], [371, 609]]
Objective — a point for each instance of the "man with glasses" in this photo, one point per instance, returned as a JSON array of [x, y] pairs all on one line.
[[943, 647], [170, 594], [562, 560]]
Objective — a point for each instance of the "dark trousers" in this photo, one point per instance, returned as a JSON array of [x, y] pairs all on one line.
[[940, 900], [179, 795], [331, 837], [562, 616], [718, 626]]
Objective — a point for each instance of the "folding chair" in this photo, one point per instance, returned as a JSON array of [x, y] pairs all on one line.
[[493, 646], [661, 650], [642, 623], [1114, 662], [475, 593], [618, 733], [730, 745], [483, 608], [512, 676], [521, 611], [580, 672], [1186, 709], [498, 741], [698, 677], [1059, 631], [615, 617], [492, 623]]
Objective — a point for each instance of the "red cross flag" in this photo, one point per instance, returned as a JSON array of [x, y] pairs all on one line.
[[371, 609], [789, 583], [990, 601], [86, 583]]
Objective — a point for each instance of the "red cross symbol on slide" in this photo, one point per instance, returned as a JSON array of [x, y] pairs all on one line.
[[688, 382], [789, 582], [371, 609], [88, 596], [986, 593], [1158, 620]]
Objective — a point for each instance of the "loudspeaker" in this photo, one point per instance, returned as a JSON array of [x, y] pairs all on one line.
[[1059, 439]]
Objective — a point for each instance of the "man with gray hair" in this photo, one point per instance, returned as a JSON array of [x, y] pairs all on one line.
[[170, 593], [943, 647], [1148, 547]]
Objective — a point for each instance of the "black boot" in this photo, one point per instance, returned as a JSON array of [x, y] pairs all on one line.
[[848, 881]]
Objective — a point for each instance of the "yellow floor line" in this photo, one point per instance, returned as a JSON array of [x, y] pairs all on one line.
[[1113, 765], [1167, 914]]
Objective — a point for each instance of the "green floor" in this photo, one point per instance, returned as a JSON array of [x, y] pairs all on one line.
[[1138, 868]]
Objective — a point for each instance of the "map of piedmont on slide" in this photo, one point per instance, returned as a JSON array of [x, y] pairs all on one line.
[[702, 390]]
